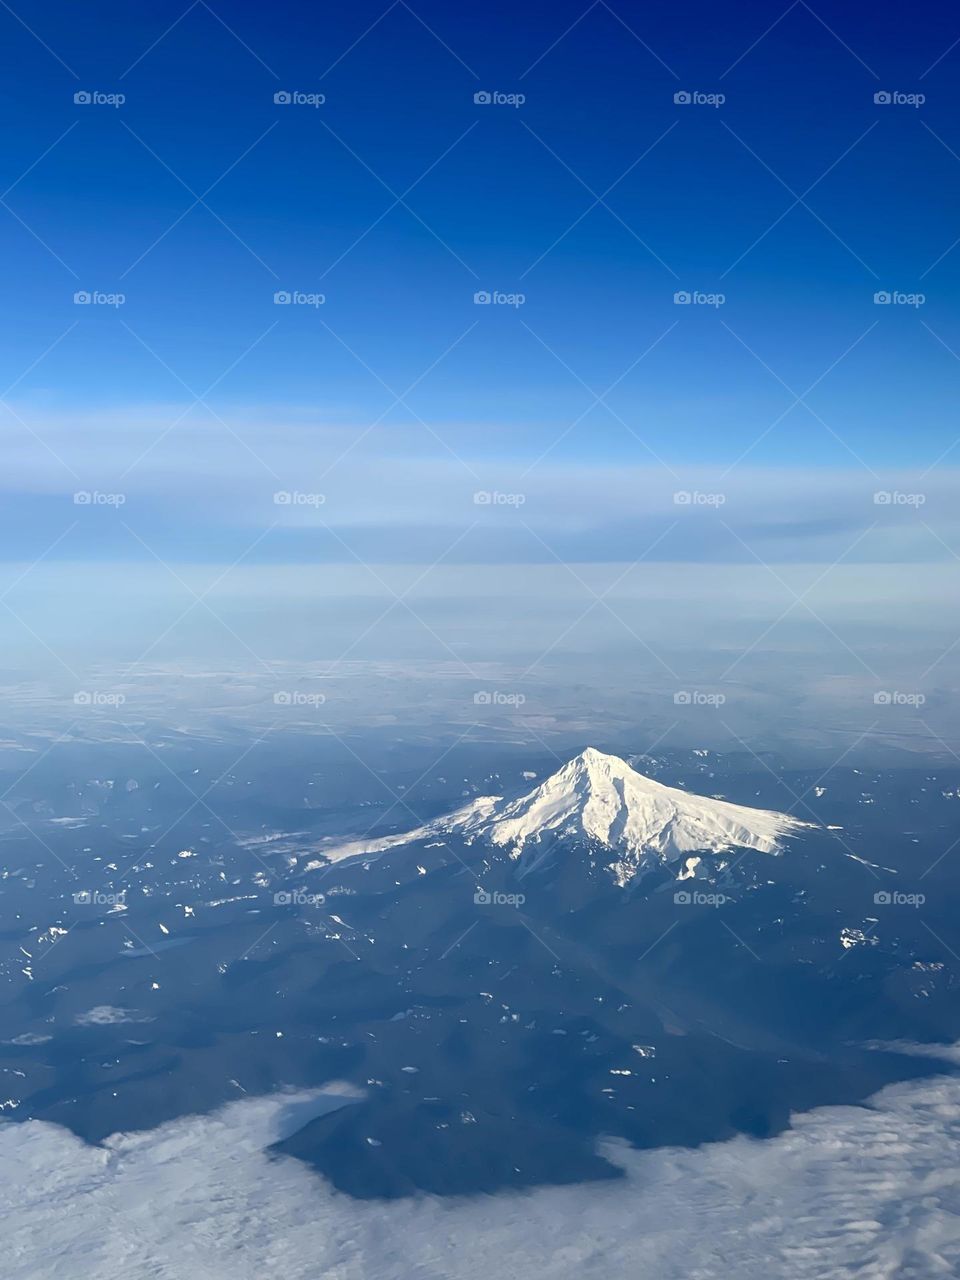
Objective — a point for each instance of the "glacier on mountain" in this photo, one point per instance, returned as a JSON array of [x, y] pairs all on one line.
[[600, 799]]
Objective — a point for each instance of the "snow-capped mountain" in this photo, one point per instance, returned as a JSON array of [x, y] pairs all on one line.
[[600, 799]]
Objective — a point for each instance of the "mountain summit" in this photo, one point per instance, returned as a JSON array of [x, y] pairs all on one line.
[[600, 799]]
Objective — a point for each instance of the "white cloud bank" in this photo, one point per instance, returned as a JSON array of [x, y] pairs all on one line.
[[866, 1193]]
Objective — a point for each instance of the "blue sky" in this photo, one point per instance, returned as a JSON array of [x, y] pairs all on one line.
[[598, 198], [396, 102]]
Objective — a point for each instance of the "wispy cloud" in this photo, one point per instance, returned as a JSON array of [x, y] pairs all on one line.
[[201, 494]]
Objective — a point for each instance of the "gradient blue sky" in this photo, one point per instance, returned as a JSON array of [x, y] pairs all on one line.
[[498, 199], [798, 199]]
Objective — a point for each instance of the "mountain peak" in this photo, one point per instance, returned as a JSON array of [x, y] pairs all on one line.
[[592, 758], [601, 800]]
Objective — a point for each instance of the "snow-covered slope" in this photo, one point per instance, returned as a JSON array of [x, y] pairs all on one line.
[[599, 798]]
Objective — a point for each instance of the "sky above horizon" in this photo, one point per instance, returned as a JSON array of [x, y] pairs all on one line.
[[243, 327]]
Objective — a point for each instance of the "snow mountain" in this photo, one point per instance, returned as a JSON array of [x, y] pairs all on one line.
[[599, 799]]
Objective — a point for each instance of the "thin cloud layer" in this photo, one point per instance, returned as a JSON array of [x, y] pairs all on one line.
[[270, 490]]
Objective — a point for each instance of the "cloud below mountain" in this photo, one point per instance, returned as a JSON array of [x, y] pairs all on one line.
[[848, 1191]]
